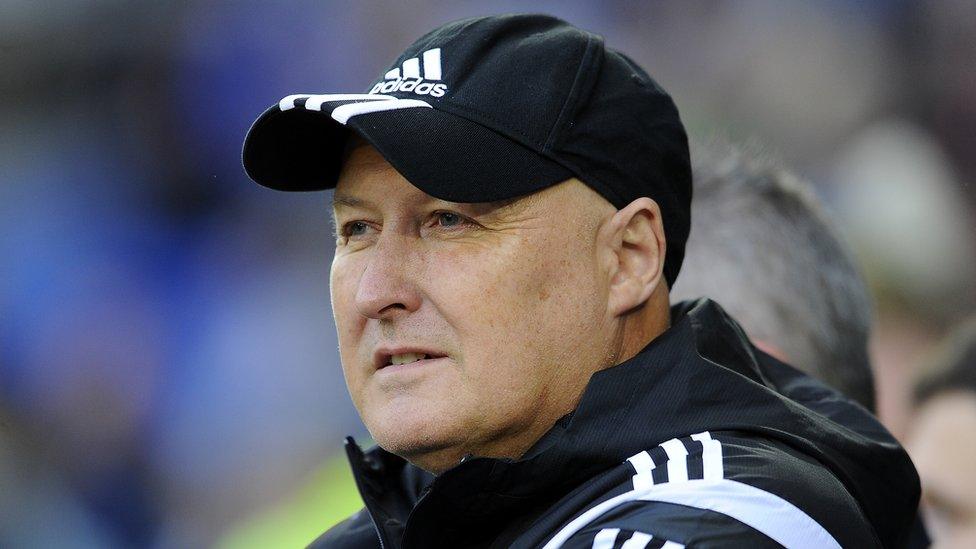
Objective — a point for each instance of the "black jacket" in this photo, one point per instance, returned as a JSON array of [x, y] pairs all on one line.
[[700, 440]]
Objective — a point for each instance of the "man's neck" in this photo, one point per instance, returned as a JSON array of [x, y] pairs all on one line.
[[643, 325]]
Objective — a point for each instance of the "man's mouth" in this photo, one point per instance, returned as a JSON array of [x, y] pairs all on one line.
[[400, 357], [406, 358]]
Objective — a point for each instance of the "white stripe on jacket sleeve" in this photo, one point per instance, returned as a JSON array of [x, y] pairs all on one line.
[[604, 539], [767, 513]]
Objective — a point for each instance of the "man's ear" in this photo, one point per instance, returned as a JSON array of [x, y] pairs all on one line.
[[635, 247]]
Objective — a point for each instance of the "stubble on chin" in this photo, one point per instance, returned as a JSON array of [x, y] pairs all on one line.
[[430, 453]]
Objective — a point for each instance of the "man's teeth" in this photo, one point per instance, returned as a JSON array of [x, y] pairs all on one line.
[[407, 357]]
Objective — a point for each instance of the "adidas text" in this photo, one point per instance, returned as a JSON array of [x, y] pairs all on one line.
[[411, 80], [417, 86]]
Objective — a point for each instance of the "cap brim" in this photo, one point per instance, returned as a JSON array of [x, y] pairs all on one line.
[[445, 155]]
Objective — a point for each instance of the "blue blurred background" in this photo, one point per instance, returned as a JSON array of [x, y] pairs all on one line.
[[168, 362]]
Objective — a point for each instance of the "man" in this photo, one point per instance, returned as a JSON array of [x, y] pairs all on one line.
[[942, 441], [511, 214], [762, 246]]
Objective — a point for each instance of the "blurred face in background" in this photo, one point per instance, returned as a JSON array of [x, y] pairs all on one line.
[[942, 443], [465, 328]]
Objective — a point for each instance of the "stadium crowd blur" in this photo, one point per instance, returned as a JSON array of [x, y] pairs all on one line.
[[168, 363]]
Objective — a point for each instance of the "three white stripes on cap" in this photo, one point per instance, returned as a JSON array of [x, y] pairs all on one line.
[[364, 103]]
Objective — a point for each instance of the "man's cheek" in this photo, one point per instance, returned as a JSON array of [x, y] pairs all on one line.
[[342, 290], [469, 282]]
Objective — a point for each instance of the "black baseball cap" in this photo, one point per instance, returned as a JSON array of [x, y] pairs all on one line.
[[489, 108]]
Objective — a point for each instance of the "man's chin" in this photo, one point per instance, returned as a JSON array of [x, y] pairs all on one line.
[[431, 451]]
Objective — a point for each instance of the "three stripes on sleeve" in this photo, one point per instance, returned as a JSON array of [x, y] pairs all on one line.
[[670, 473]]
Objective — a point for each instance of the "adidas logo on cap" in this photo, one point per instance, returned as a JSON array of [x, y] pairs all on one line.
[[410, 80]]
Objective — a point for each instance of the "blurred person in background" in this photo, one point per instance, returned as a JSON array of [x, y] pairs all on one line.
[[485, 409], [942, 440], [762, 247]]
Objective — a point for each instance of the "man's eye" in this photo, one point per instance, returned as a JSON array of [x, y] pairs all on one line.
[[354, 228], [449, 219]]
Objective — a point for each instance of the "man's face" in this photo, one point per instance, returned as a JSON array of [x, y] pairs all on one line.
[[505, 304], [943, 446]]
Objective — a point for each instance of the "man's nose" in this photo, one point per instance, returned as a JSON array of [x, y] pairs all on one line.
[[387, 288]]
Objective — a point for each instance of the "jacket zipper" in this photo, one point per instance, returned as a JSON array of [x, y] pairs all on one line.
[[355, 456], [379, 535]]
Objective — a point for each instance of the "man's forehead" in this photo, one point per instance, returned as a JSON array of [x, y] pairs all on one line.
[[369, 181], [353, 142]]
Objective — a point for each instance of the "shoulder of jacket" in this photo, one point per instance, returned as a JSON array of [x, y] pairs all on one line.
[[715, 488]]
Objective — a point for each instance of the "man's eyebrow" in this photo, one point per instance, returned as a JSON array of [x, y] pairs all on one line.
[[348, 201]]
